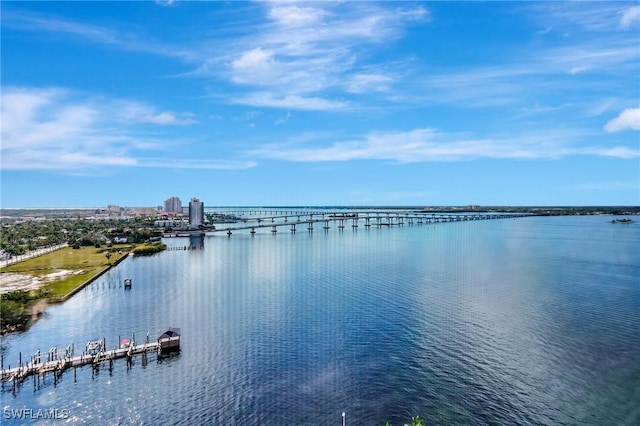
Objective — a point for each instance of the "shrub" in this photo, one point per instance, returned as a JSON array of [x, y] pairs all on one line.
[[148, 249]]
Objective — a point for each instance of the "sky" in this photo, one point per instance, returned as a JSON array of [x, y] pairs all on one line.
[[350, 103]]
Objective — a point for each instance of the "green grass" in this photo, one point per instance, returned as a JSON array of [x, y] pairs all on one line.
[[67, 258], [59, 289], [90, 260]]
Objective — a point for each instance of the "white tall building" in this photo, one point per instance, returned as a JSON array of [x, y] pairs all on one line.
[[173, 204], [196, 213]]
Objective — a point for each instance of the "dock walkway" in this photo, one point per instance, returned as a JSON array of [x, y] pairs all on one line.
[[95, 354], [58, 365]]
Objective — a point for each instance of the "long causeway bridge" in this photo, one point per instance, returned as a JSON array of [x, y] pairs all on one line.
[[293, 220]]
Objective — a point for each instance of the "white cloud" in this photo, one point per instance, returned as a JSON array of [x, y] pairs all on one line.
[[271, 100], [182, 163], [367, 82], [577, 70], [254, 66], [429, 145], [122, 39], [305, 50], [296, 16], [618, 152], [57, 129], [135, 112], [255, 59], [630, 16], [283, 120], [629, 119], [576, 16], [168, 118]]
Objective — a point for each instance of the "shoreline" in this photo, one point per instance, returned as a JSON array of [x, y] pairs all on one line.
[[38, 306], [71, 293]]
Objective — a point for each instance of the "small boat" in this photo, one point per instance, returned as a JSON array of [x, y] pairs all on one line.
[[94, 346], [127, 283], [124, 343]]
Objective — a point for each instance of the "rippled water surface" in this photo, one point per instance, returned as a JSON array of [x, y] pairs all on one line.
[[514, 321]]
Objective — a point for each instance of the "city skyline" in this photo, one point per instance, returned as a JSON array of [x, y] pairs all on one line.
[[312, 104]]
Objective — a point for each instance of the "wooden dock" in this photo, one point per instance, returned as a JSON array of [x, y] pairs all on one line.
[[57, 362], [60, 365]]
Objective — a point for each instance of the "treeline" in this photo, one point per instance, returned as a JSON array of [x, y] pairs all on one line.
[[18, 237], [15, 309]]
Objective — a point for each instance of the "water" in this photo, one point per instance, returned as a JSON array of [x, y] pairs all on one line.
[[516, 321]]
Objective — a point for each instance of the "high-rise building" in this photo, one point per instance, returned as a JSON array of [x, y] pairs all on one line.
[[173, 204], [196, 213]]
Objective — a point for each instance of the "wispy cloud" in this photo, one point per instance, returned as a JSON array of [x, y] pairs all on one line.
[[283, 120], [296, 102], [629, 119], [136, 112], [83, 32], [574, 16], [608, 186], [165, 3], [596, 51], [512, 82], [428, 145], [57, 129], [630, 17], [178, 163], [303, 51]]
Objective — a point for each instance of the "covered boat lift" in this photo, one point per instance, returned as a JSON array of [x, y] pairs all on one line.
[[169, 340]]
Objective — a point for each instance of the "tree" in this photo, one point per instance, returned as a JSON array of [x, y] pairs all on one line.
[[107, 254], [415, 421]]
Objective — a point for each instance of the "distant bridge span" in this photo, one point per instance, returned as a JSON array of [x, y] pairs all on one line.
[[293, 220]]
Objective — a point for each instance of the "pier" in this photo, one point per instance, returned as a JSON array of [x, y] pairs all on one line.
[[341, 219], [95, 354]]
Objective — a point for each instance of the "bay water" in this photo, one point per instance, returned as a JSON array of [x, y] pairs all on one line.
[[532, 321]]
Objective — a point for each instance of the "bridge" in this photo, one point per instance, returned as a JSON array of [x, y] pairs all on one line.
[[353, 219]]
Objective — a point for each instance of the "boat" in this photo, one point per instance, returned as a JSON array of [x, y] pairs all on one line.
[[127, 283], [124, 343], [94, 346]]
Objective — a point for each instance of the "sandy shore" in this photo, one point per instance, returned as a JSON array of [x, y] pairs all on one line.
[[10, 281]]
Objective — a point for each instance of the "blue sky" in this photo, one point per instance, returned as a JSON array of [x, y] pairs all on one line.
[[298, 103]]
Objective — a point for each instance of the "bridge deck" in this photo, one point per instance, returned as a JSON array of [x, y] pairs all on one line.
[[370, 219]]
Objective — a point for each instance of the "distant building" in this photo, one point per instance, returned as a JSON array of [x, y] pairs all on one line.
[[196, 213], [169, 223], [173, 204]]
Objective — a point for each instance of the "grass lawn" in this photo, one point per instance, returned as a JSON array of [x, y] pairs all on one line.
[[84, 263]]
